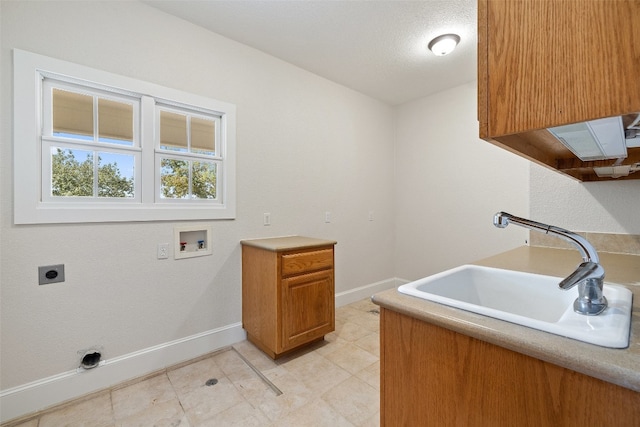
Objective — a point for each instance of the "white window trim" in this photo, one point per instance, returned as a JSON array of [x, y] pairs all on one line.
[[27, 170]]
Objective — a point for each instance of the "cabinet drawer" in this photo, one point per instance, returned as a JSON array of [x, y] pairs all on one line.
[[306, 261]]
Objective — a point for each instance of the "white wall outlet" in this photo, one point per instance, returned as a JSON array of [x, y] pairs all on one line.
[[163, 250], [370, 215], [267, 218], [327, 217]]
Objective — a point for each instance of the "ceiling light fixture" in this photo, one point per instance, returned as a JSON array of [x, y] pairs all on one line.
[[444, 44]]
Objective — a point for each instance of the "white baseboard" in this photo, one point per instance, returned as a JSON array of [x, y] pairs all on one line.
[[353, 295], [38, 395], [47, 392]]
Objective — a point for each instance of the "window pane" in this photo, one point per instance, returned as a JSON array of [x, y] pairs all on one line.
[[173, 131], [204, 180], [72, 114], [203, 136], [71, 172], [115, 175], [115, 122], [174, 179]]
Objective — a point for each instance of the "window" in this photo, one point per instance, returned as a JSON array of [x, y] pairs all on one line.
[[103, 147], [187, 158], [90, 144]]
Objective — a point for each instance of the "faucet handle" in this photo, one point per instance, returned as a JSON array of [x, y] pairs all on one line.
[[586, 270], [589, 277]]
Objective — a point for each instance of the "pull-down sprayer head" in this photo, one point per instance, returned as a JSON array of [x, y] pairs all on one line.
[[587, 251]]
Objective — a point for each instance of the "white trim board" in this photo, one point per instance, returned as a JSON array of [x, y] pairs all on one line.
[[47, 392]]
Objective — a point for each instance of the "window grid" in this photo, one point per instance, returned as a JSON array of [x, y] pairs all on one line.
[[34, 141]]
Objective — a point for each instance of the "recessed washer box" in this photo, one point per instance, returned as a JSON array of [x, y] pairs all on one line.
[[192, 241]]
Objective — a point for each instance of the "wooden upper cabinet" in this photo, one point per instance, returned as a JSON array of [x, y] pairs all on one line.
[[546, 63]]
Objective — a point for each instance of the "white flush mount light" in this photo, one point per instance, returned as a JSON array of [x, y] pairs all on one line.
[[444, 44]]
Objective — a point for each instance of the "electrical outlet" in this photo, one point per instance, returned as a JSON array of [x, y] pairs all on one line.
[[163, 250], [267, 218], [370, 215], [50, 274], [327, 217]]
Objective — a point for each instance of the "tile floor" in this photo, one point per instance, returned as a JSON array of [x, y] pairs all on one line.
[[333, 383]]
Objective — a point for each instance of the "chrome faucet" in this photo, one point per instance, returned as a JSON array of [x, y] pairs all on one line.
[[589, 275]]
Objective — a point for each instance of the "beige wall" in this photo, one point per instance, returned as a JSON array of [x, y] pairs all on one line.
[[602, 207], [449, 184]]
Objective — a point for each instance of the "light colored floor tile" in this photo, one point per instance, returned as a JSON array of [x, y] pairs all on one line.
[[233, 366], [352, 358], [332, 344], [95, 412], [351, 331], [251, 387], [160, 414], [370, 343], [343, 314], [367, 320], [318, 373], [298, 359], [255, 356], [30, 423], [206, 402], [241, 415], [140, 396], [371, 375], [317, 414], [354, 399], [334, 382], [373, 421], [295, 394], [365, 305], [194, 375]]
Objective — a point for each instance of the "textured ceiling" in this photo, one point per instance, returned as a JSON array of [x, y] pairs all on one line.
[[375, 47]]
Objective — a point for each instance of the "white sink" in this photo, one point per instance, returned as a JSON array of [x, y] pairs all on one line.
[[527, 299]]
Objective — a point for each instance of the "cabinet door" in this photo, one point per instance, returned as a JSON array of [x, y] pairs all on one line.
[[547, 63], [308, 308]]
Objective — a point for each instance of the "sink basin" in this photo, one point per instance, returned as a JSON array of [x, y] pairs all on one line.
[[531, 300]]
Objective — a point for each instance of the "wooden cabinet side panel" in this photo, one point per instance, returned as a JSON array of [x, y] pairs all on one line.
[[260, 296], [431, 376], [483, 69], [556, 62], [308, 308]]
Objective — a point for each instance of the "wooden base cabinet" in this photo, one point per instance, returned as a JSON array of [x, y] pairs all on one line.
[[288, 292], [431, 376]]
